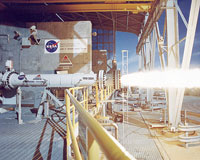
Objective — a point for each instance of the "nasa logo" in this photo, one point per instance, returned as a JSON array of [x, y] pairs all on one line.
[[51, 46], [21, 77]]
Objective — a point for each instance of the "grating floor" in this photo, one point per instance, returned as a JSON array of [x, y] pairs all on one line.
[[137, 139], [34, 140]]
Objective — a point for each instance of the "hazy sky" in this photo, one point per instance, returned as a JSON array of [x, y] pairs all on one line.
[[128, 41]]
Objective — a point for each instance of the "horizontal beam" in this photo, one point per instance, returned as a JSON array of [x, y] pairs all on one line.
[[73, 1], [154, 15], [136, 7]]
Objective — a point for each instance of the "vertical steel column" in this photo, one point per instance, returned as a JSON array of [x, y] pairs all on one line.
[[68, 148], [194, 12], [73, 138], [73, 109], [105, 93], [142, 57], [19, 105], [153, 49], [41, 107], [160, 42], [124, 62], [151, 45], [172, 56], [139, 57], [102, 95], [140, 61], [148, 52], [114, 35], [140, 64], [149, 63], [125, 72], [86, 98], [161, 56], [146, 48], [97, 95], [46, 108]]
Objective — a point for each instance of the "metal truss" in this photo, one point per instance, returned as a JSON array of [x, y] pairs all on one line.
[[168, 48]]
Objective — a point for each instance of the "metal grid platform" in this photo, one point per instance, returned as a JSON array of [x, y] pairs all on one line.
[[137, 139], [32, 140]]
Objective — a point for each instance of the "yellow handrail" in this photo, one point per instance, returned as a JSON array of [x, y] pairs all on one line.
[[97, 95], [113, 125], [73, 125], [74, 142], [111, 147]]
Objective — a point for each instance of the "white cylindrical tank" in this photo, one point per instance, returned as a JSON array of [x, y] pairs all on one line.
[[65, 80], [12, 80]]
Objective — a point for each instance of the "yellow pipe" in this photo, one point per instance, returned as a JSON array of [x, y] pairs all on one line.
[[86, 99], [101, 94], [113, 125], [74, 142], [67, 100], [105, 94], [73, 116], [73, 110], [97, 95], [109, 145]]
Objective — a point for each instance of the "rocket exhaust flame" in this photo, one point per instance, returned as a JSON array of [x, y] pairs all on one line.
[[177, 78]]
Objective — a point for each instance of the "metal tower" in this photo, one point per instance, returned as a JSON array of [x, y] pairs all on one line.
[[124, 62]]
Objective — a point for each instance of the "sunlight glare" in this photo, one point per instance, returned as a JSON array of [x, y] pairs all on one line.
[[163, 79]]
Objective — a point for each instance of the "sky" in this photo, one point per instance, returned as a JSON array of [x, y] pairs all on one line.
[[128, 41]]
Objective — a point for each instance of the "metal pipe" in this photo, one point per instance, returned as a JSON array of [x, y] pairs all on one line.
[[113, 125], [19, 105], [97, 95], [74, 142], [12, 80], [109, 145]]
